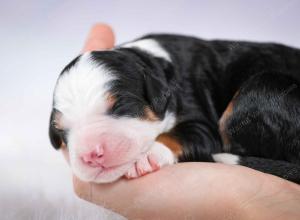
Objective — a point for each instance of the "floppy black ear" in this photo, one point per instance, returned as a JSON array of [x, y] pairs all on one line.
[[157, 93], [55, 137], [160, 84], [158, 75]]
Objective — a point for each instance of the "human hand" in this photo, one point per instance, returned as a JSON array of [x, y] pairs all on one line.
[[101, 37], [197, 191], [191, 190]]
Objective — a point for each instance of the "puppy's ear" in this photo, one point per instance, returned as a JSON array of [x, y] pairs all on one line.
[[158, 92], [55, 137], [158, 75]]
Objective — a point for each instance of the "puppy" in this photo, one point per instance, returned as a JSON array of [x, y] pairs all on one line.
[[163, 99]]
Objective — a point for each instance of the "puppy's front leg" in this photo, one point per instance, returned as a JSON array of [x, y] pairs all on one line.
[[158, 156], [196, 140]]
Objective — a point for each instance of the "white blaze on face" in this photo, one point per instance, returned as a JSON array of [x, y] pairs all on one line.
[[81, 97], [82, 89]]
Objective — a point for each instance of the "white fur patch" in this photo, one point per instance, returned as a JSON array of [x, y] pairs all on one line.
[[163, 154], [150, 46], [226, 158], [81, 96], [168, 122], [82, 89]]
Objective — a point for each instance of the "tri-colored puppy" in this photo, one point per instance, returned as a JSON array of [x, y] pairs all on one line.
[[164, 99]]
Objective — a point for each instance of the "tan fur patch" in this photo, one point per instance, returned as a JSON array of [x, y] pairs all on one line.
[[63, 145], [111, 100], [222, 122], [150, 115], [171, 143]]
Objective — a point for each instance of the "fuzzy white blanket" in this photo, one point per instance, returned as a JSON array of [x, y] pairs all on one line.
[[36, 184]]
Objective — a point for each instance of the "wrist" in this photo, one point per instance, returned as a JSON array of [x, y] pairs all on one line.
[[273, 198]]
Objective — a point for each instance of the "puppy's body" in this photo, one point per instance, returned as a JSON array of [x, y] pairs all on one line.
[[171, 91]]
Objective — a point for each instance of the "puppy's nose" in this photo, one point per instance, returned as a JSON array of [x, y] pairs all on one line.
[[94, 158]]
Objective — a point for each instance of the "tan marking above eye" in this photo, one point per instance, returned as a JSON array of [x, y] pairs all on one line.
[[63, 145], [111, 100], [170, 142], [150, 115]]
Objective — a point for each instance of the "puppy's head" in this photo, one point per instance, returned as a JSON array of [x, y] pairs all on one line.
[[108, 108]]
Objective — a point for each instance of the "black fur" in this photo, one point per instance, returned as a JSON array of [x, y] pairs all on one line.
[[57, 136], [198, 85], [54, 134], [265, 124]]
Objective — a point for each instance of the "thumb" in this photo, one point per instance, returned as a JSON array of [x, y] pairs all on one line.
[[100, 37]]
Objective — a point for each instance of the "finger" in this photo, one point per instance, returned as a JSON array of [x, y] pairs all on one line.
[[101, 37], [82, 189]]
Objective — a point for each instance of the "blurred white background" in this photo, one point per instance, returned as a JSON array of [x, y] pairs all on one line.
[[38, 38]]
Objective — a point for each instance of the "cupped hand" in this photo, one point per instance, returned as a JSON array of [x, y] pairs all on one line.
[[191, 190]]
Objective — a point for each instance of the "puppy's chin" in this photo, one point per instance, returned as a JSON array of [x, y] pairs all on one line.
[[98, 174]]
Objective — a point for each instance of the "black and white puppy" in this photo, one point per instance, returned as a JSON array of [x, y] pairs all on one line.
[[164, 99]]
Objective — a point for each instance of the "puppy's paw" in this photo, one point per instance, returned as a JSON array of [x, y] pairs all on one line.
[[141, 167], [158, 156]]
